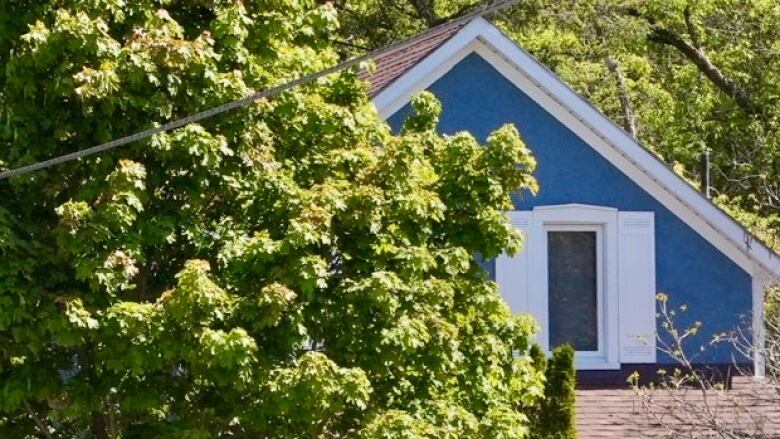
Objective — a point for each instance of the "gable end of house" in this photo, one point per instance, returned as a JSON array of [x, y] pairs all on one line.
[[448, 46]]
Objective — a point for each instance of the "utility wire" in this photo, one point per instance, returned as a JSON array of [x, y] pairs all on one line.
[[243, 102]]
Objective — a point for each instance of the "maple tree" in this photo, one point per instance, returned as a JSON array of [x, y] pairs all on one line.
[[289, 269]]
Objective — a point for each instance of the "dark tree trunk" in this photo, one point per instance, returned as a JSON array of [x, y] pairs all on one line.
[[426, 11], [99, 427], [694, 52], [700, 59]]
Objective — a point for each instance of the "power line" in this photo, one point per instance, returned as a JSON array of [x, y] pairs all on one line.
[[487, 9]]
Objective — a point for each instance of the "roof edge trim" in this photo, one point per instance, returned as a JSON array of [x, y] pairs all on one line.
[[668, 188]]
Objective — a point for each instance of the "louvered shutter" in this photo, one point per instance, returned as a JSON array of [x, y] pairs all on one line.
[[512, 273], [636, 280]]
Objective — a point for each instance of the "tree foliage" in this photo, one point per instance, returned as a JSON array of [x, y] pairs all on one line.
[[555, 416], [682, 76], [290, 269]]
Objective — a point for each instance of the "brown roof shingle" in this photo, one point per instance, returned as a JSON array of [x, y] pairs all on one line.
[[619, 413], [394, 63]]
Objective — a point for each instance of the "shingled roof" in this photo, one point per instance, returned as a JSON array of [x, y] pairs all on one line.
[[394, 63], [610, 413]]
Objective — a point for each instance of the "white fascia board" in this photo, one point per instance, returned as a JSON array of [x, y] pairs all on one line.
[[431, 68], [575, 112]]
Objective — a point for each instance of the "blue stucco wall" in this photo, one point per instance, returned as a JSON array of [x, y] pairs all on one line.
[[476, 98]]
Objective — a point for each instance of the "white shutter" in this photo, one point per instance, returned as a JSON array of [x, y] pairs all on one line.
[[636, 267], [512, 273]]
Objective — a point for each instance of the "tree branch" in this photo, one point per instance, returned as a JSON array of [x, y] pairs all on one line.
[[692, 31], [695, 53], [697, 56], [38, 422], [349, 44], [426, 11], [99, 425], [629, 118]]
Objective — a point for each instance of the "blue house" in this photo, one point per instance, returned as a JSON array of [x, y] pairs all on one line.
[[612, 225]]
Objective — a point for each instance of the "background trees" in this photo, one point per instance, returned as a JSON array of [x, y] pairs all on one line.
[[682, 76], [290, 269]]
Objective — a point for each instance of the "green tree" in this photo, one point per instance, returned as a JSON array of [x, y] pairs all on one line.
[[287, 270], [554, 417]]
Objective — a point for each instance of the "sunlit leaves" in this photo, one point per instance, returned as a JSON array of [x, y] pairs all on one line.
[[197, 300], [289, 269], [301, 399]]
